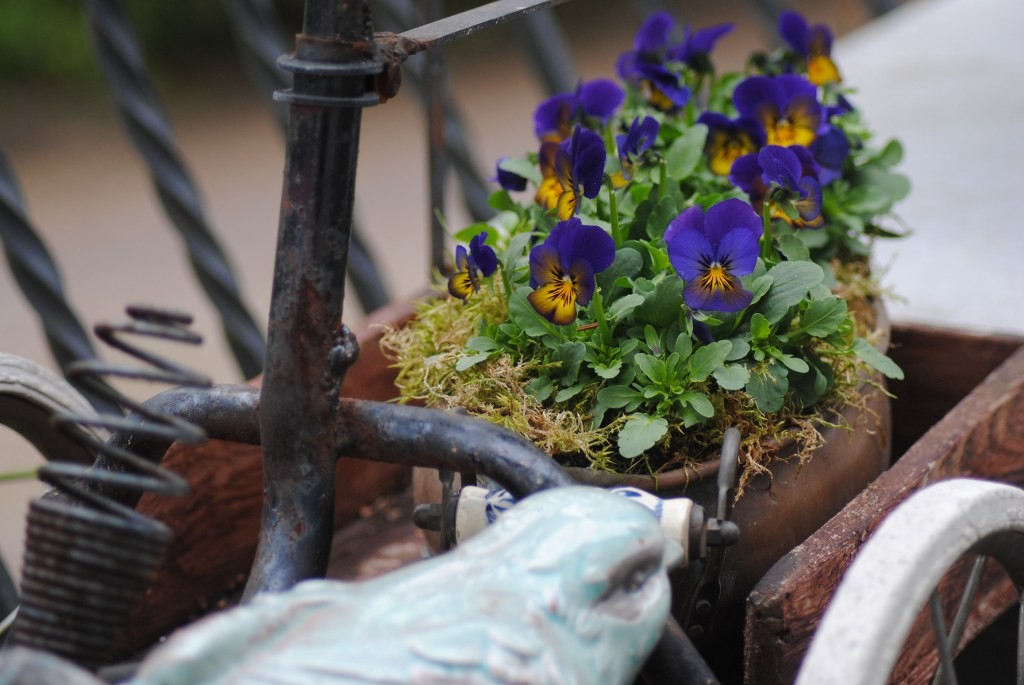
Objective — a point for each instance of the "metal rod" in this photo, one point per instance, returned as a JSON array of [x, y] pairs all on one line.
[[939, 629], [424, 437], [963, 610], [437, 149], [309, 350], [473, 20]]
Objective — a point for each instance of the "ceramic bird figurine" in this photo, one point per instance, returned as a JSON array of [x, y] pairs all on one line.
[[568, 588]]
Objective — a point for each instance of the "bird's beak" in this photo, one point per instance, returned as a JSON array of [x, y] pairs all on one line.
[[674, 555]]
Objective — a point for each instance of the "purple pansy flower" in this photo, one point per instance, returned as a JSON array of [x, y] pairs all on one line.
[[572, 169], [728, 140], [813, 43], [831, 149], [562, 269], [554, 118], [509, 180], [634, 143], [711, 251], [786, 107], [781, 175], [696, 47], [644, 66], [480, 260]]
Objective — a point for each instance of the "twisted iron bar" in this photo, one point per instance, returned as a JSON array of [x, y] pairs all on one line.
[[37, 275], [120, 59]]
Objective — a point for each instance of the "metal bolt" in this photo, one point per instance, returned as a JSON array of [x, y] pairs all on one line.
[[703, 607]]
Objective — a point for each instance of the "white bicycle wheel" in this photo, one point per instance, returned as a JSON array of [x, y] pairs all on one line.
[[893, 579]]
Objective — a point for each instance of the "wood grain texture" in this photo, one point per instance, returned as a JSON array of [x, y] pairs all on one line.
[[217, 524], [982, 436]]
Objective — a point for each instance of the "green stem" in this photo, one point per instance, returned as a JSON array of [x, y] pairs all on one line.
[[767, 248], [613, 211], [662, 179], [17, 475], [602, 320]]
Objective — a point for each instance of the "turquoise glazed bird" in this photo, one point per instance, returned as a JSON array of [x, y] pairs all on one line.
[[570, 587]]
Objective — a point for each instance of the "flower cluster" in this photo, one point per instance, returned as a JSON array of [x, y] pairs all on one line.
[[685, 247]]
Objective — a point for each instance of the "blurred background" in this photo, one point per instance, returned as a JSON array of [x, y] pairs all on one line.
[[90, 198]]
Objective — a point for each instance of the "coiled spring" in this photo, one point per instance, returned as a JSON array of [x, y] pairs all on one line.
[[89, 556]]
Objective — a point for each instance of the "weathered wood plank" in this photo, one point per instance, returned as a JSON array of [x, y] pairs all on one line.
[[983, 436], [217, 523]]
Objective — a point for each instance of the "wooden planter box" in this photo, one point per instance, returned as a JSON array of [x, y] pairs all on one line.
[[960, 412]]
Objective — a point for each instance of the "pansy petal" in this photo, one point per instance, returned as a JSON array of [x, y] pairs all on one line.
[[551, 118], [805, 114], [484, 256], [688, 251], [566, 206], [745, 172], [582, 274], [460, 285], [600, 98], [809, 204], [461, 258], [793, 29], [509, 180], [718, 292], [728, 215], [738, 251], [577, 240], [654, 34], [752, 92], [821, 70], [556, 302], [779, 165], [545, 266]]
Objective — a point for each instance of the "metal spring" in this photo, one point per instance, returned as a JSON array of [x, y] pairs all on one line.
[[89, 556]]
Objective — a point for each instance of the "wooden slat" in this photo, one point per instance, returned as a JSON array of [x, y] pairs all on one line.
[[983, 436], [217, 523]]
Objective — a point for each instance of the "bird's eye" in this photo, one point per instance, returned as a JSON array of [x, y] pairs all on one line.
[[635, 581]]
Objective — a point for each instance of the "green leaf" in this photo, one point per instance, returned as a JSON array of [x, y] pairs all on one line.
[[525, 316], [823, 317], [666, 209], [683, 346], [740, 348], [792, 363], [607, 371], [760, 328], [471, 360], [768, 385], [501, 201], [571, 356], [686, 152], [522, 167], [482, 343], [661, 307], [732, 376], [652, 340], [628, 263], [618, 396], [896, 186], [471, 231], [540, 388], [794, 249], [891, 154], [703, 362], [699, 402], [624, 305], [570, 392], [878, 361], [640, 433], [810, 387], [790, 283], [650, 366]]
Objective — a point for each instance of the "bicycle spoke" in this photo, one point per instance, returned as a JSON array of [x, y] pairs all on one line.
[[939, 628], [964, 609], [1020, 640]]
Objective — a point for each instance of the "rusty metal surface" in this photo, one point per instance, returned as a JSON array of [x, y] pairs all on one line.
[[309, 349], [426, 437], [466, 23]]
